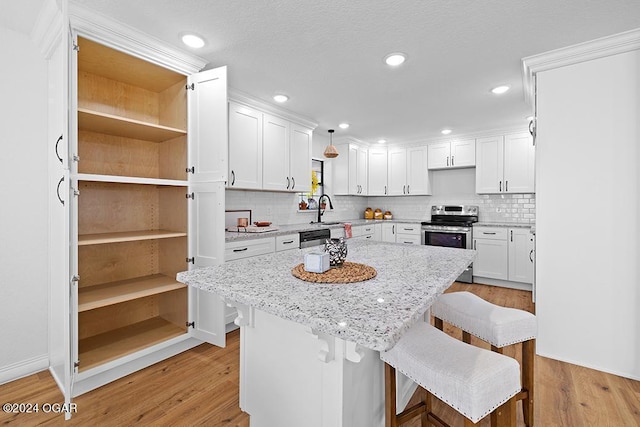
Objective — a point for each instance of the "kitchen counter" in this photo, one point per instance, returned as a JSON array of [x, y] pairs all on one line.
[[503, 224], [232, 236], [325, 339], [409, 279]]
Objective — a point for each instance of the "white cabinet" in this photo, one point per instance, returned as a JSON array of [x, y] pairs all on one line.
[[505, 164], [276, 133], [492, 257], [300, 158], [248, 248], [363, 231], [452, 154], [290, 241], [350, 170], [377, 179], [520, 255], [245, 147], [503, 253], [407, 171], [388, 232], [408, 234], [143, 200]]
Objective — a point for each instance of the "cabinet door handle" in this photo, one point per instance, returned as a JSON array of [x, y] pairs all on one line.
[[287, 183], [293, 185], [447, 160], [451, 160], [486, 232], [287, 242], [506, 186], [407, 188], [385, 189], [475, 245], [393, 229], [233, 177], [56, 149], [58, 190], [500, 185], [240, 250], [512, 235], [531, 255], [408, 229]]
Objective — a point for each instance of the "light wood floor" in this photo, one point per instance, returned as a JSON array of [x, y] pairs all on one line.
[[200, 387]]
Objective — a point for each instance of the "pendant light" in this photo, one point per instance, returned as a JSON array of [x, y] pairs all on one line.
[[331, 151]]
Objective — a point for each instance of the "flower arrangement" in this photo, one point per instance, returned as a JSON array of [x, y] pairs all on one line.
[[314, 183]]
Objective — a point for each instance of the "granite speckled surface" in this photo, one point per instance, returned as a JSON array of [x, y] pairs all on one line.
[[374, 313], [283, 230], [503, 224]]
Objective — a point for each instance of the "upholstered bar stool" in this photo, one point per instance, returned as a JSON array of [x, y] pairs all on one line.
[[473, 381], [498, 326]]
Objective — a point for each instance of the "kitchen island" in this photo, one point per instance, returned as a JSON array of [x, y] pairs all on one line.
[[309, 351]]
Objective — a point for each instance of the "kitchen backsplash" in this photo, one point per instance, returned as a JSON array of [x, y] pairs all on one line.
[[282, 208]]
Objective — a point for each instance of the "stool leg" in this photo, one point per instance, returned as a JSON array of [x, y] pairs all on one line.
[[497, 349], [428, 405], [466, 337], [390, 396], [528, 357], [505, 415], [437, 322]]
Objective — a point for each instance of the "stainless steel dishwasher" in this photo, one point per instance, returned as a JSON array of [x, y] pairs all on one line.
[[314, 237]]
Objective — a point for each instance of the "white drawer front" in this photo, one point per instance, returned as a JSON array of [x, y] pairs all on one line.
[[410, 239], [367, 230], [413, 229], [290, 241], [492, 233], [249, 248]]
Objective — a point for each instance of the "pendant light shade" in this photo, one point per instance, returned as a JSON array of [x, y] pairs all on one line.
[[331, 151]]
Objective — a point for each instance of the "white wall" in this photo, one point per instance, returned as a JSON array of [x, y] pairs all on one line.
[[23, 211], [588, 263]]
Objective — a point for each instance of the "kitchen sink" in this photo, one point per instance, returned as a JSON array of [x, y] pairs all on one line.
[[319, 224]]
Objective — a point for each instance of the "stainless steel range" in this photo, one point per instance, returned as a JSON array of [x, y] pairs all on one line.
[[452, 226]]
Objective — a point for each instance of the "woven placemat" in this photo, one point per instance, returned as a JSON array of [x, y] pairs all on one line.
[[350, 272]]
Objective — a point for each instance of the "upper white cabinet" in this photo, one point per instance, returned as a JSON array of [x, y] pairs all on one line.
[[505, 164], [300, 158], [407, 171], [377, 179], [245, 147], [350, 170], [452, 154], [267, 152]]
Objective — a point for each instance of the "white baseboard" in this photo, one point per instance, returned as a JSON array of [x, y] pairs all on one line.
[[502, 283], [631, 375], [23, 368]]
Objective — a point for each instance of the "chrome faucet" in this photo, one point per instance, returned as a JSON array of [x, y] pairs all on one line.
[[320, 210]]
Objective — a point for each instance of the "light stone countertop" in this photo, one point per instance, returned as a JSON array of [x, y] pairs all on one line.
[[374, 313], [503, 224], [283, 230]]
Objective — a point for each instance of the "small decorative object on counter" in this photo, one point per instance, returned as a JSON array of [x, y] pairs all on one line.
[[316, 262], [312, 204], [368, 213], [387, 215], [337, 249], [302, 205], [243, 222], [377, 214]]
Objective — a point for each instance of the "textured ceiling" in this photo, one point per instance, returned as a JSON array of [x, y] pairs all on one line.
[[327, 55]]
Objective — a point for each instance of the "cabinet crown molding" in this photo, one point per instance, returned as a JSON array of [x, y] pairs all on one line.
[[132, 41], [594, 49], [243, 98], [46, 33]]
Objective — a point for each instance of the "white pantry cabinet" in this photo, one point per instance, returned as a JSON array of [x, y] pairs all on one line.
[[350, 170], [377, 174], [407, 172], [142, 198], [452, 154], [505, 164]]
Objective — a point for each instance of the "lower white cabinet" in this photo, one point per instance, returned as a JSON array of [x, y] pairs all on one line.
[[503, 253], [248, 248], [408, 234], [285, 243], [389, 232]]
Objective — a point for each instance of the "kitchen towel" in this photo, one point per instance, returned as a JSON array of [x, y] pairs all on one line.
[[347, 230]]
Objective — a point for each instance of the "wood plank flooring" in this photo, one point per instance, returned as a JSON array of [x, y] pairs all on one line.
[[200, 388]]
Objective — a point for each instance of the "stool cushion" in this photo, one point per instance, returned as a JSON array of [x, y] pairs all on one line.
[[499, 326], [470, 379]]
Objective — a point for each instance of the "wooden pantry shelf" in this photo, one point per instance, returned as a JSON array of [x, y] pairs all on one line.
[[102, 348], [131, 180], [109, 124], [98, 296], [127, 236]]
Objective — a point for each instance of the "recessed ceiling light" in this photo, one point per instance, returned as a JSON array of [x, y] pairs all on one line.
[[382, 141], [280, 98], [343, 125], [395, 59], [499, 90], [193, 40], [445, 131]]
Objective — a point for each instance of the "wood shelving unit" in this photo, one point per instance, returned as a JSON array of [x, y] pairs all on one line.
[[132, 209]]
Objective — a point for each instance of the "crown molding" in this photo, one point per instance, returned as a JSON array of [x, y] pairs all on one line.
[[46, 33], [122, 37], [248, 100], [587, 51]]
